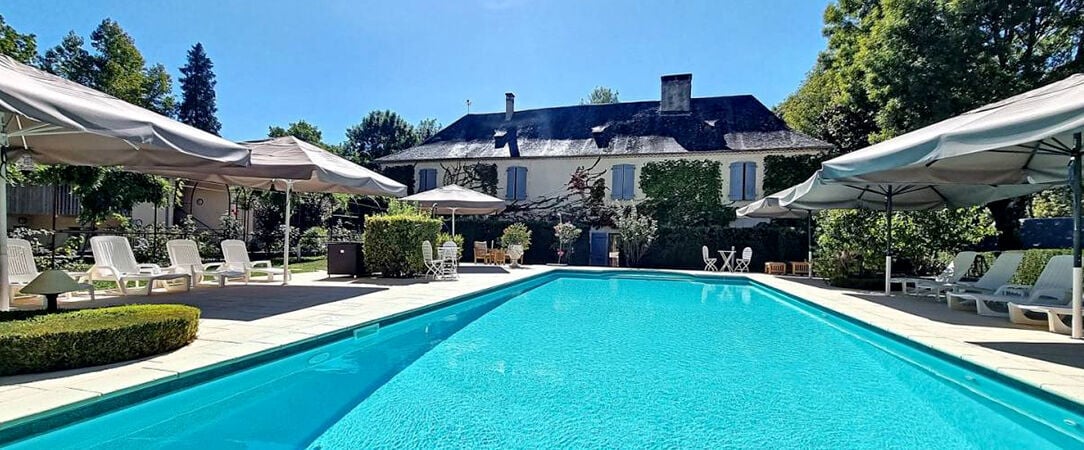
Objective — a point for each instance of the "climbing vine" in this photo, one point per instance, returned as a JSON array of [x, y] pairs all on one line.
[[685, 192], [478, 176], [403, 174], [784, 171]]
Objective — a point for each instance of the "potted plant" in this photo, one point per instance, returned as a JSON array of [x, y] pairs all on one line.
[[517, 239], [566, 234]]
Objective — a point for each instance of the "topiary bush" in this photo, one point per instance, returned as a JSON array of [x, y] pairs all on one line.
[[90, 337], [393, 242], [312, 241]]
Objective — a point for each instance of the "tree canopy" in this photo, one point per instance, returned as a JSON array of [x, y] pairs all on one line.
[[379, 134], [600, 95], [301, 129], [22, 47], [198, 100], [895, 66], [427, 128]]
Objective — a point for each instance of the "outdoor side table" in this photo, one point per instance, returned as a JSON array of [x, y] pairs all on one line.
[[726, 262]]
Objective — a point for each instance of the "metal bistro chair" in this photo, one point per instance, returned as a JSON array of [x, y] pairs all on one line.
[[709, 262], [742, 264]]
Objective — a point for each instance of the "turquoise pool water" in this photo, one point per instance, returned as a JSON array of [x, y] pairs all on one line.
[[588, 361]]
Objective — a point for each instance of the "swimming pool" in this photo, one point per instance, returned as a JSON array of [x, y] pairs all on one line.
[[602, 359]]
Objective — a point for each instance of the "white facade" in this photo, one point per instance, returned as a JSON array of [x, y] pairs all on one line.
[[549, 177]]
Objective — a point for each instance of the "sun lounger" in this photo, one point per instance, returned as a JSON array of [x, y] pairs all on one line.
[[998, 275], [1052, 287], [184, 258], [22, 269], [114, 261], [936, 285], [236, 255]]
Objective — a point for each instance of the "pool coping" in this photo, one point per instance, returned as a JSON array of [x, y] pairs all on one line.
[[880, 318]]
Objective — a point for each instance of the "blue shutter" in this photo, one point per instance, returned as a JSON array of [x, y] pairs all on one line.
[[629, 186], [510, 185], [736, 177], [750, 181], [521, 183], [427, 179], [617, 179], [432, 178]]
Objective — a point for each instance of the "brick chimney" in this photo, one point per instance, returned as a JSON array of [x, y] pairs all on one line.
[[677, 93], [509, 105]]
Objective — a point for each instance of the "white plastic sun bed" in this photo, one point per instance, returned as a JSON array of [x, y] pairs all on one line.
[[1052, 288], [997, 275], [936, 285]]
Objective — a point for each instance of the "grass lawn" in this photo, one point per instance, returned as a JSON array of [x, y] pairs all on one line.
[[304, 264]]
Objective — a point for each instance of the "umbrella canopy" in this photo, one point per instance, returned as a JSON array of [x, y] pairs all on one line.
[[59, 121], [770, 207], [1022, 139], [290, 164], [457, 199], [454, 199], [55, 120], [286, 160], [817, 193]]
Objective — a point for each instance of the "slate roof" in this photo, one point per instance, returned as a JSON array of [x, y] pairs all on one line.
[[732, 123]]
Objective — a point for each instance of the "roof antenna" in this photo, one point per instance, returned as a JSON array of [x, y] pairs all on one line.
[[468, 106]]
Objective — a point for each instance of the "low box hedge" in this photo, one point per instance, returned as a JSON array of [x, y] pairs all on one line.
[[91, 337]]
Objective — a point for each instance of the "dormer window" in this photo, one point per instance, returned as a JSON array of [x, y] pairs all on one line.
[[602, 139], [499, 138]]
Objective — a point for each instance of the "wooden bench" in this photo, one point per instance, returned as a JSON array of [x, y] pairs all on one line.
[[799, 268], [775, 268]]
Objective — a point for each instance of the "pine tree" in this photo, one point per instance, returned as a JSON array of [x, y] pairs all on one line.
[[198, 106]]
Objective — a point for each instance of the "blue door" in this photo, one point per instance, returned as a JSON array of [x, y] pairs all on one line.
[[600, 248]]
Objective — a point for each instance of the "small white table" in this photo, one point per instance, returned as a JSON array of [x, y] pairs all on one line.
[[726, 262]]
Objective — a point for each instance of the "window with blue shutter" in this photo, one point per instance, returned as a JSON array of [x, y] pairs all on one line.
[[743, 181], [427, 179], [623, 186], [516, 184], [737, 176]]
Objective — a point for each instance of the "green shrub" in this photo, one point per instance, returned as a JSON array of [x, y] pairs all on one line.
[[443, 237], [393, 243], [1033, 263], [312, 241], [517, 234], [91, 337]]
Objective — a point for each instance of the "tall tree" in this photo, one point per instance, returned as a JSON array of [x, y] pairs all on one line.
[[22, 47], [379, 134], [600, 95], [70, 60], [427, 128], [198, 103]]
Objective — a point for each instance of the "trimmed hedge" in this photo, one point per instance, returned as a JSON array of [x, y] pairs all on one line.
[[680, 247], [91, 337], [393, 244]]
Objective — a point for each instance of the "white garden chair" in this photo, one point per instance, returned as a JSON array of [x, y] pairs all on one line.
[[236, 255], [434, 267], [449, 253], [184, 258], [742, 264], [709, 262], [114, 261]]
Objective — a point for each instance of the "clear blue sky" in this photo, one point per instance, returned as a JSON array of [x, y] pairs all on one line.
[[330, 62]]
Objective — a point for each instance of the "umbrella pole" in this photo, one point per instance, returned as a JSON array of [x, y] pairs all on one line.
[[453, 222], [5, 287], [286, 239], [888, 246], [809, 242], [1078, 289]]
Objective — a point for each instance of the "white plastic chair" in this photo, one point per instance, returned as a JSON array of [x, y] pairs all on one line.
[[709, 262], [236, 255], [1052, 288], [742, 264], [184, 258], [114, 261], [449, 253]]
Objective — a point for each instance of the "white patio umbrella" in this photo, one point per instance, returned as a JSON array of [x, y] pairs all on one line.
[[453, 199], [770, 207], [1034, 137], [816, 193], [290, 164], [53, 120]]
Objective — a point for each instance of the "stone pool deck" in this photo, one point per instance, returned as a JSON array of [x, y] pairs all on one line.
[[244, 320]]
